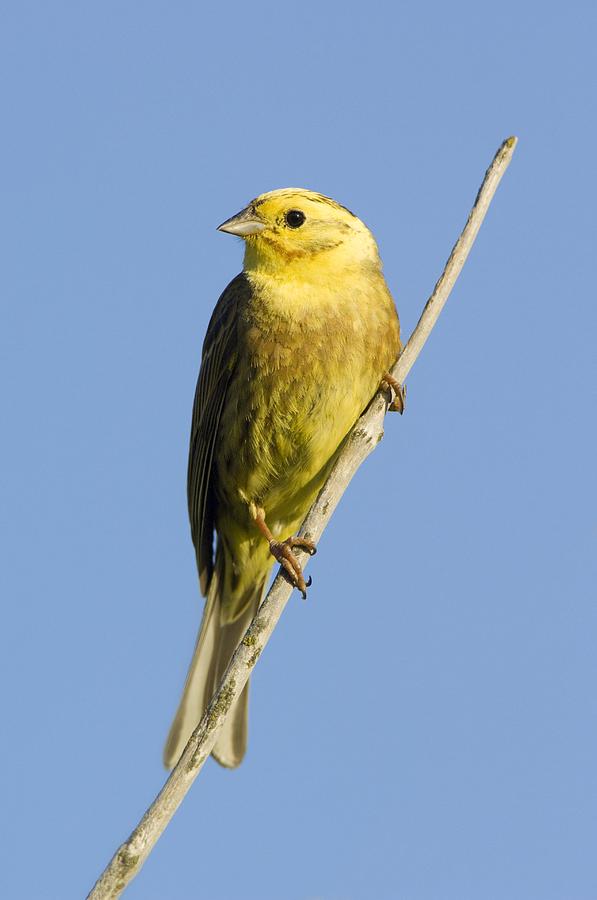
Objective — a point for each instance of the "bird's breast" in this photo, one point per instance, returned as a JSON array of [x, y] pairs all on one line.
[[309, 362]]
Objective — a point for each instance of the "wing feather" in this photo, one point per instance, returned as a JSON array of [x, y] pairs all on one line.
[[218, 361]]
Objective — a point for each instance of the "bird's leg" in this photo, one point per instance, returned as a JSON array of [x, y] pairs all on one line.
[[399, 401], [282, 551]]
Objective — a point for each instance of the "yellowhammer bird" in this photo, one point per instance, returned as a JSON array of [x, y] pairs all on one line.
[[297, 346]]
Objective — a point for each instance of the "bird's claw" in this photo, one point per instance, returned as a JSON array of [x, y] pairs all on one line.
[[399, 401], [282, 552]]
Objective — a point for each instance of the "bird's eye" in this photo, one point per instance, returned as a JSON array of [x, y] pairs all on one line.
[[294, 218]]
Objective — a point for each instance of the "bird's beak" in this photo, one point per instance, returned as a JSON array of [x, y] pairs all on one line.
[[243, 223]]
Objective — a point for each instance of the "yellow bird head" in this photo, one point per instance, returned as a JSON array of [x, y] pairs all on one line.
[[293, 226]]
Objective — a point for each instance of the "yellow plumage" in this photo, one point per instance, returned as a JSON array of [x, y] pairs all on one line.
[[296, 348]]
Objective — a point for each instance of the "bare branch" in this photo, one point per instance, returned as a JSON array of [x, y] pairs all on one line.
[[365, 436]]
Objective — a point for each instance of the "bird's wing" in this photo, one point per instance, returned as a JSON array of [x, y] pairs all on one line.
[[217, 364]]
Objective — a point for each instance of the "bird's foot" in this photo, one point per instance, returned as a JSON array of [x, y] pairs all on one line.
[[399, 401], [282, 552]]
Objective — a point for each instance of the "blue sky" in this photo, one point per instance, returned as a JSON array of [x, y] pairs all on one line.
[[460, 567]]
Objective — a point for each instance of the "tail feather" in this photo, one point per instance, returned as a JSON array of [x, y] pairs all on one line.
[[216, 642], [231, 745]]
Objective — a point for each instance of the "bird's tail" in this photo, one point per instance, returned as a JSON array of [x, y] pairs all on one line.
[[216, 642]]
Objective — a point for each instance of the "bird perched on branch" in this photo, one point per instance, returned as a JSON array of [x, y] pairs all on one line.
[[297, 346]]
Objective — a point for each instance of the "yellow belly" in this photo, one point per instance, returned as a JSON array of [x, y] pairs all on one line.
[[309, 363]]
